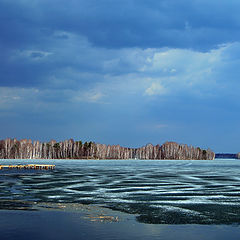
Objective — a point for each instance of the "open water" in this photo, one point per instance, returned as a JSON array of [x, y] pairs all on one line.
[[180, 198]]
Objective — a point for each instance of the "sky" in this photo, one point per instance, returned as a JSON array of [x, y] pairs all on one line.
[[126, 72]]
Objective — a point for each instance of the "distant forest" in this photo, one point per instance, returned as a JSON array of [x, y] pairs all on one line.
[[227, 155], [70, 149]]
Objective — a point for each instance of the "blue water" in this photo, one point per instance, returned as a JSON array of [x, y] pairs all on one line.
[[51, 225], [159, 194]]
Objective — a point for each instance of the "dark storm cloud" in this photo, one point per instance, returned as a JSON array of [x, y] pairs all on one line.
[[42, 27], [125, 23], [188, 24]]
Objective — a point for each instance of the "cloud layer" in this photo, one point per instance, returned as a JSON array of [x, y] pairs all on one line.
[[127, 72]]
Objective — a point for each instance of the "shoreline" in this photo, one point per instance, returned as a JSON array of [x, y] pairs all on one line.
[[26, 148], [109, 159]]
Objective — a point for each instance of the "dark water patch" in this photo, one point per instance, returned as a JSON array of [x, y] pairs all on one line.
[[15, 205], [189, 194], [152, 198], [217, 178], [160, 176], [215, 186], [183, 187], [63, 225], [128, 190], [233, 195], [84, 188]]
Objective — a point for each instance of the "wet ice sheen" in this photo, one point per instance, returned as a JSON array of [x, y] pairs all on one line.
[[156, 191]]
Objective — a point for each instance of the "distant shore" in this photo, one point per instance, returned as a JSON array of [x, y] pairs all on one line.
[[70, 149]]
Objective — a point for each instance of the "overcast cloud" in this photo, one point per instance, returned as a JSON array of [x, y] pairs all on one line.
[[127, 72]]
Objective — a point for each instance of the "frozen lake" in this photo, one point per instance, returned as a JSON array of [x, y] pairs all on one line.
[[155, 192]]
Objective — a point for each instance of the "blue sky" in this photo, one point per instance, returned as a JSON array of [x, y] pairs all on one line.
[[123, 72]]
